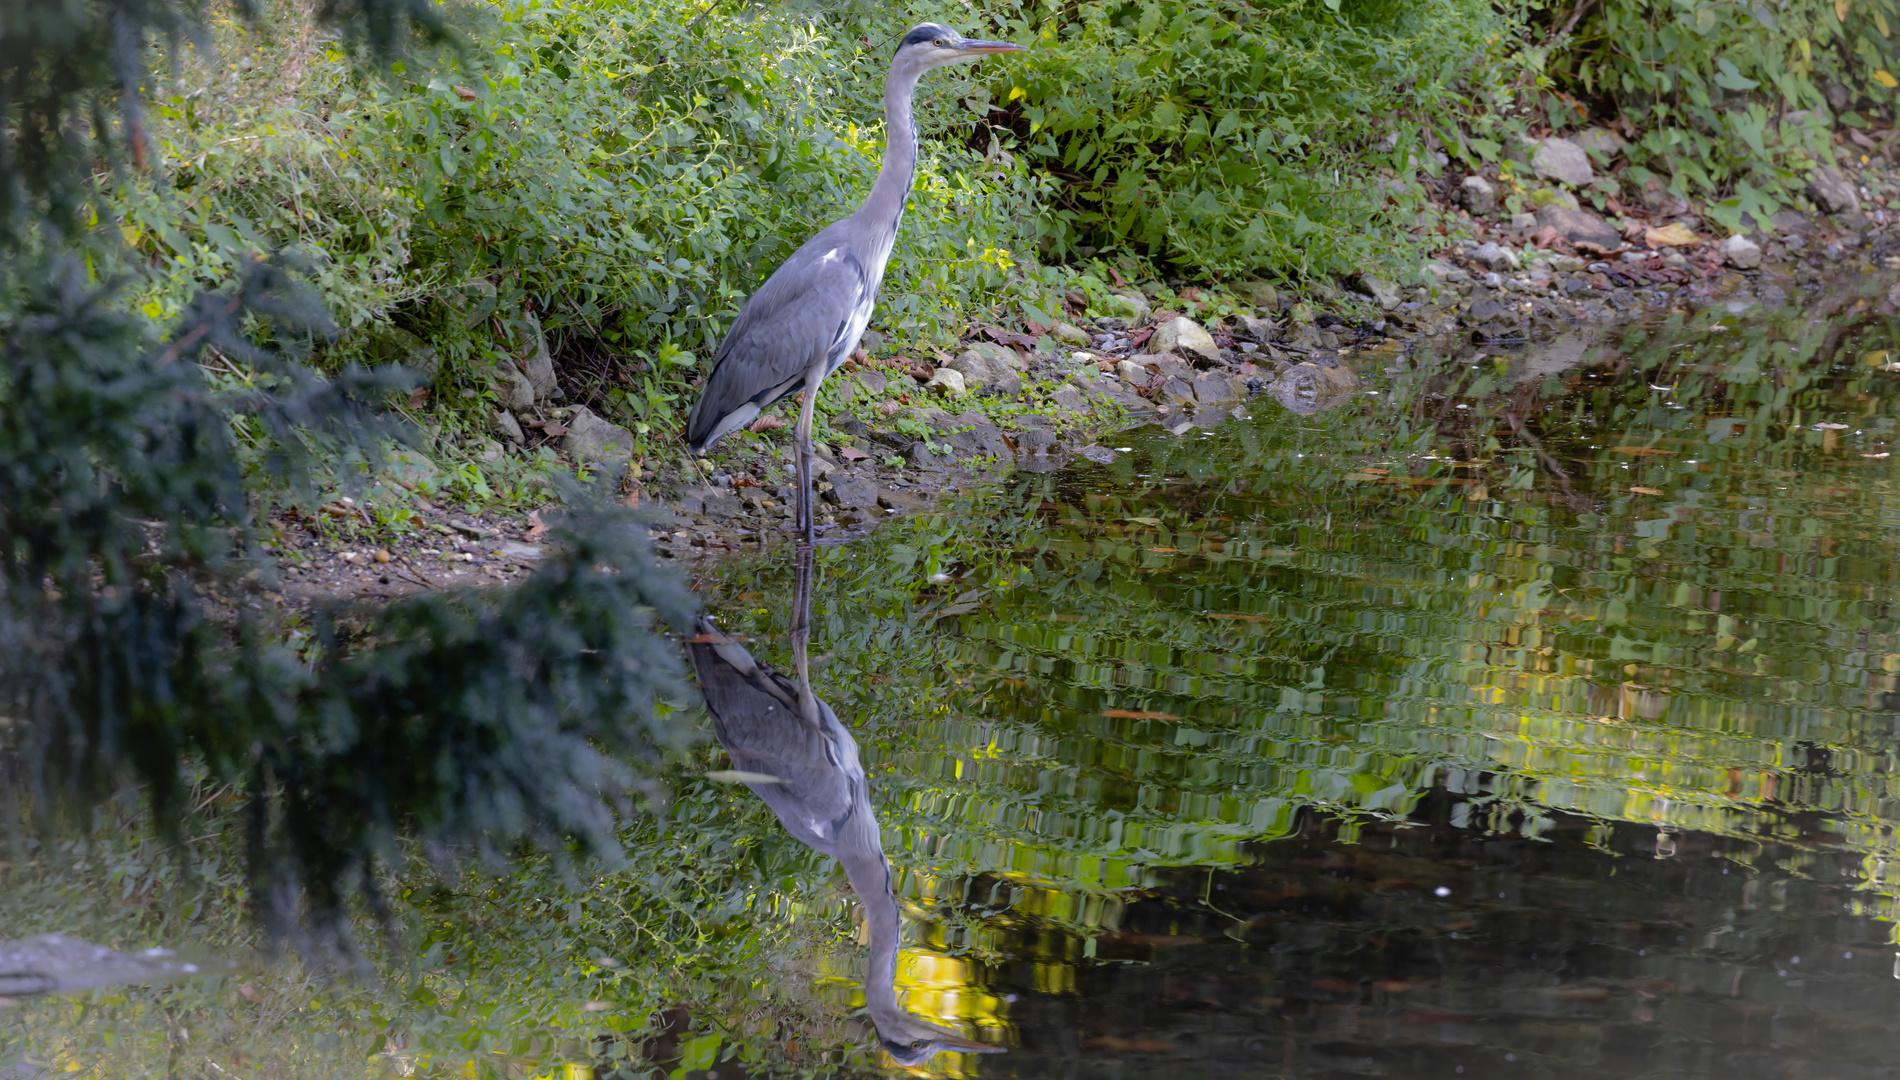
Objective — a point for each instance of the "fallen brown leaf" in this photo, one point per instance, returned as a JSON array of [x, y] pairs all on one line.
[[852, 453], [1642, 451], [1673, 235], [1645, 491], [536, 527], [764, 424], [466, 94], [417, 396], [553, 430], [1137, 714]]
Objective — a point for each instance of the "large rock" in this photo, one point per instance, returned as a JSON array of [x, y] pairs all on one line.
[[1832, 191], [1493, 257], [1068, 401], [1262, 295], [512, 388], [854, 492], [1580, 227], [1478, 196], [982, 373], [1127, 304], [1741, 252], [1069, 334], [947, 382], [1600, 141], [1183, 336], [1374, 287], [503, 423], [1563, 161], [593, 439], [536, 363]]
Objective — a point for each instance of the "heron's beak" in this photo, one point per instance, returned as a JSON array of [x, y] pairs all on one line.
[[974, 48]]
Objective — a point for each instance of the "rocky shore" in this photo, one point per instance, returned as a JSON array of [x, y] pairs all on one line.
[[899, 431]]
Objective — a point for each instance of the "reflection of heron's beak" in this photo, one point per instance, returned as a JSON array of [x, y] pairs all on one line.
[[947, 1040], [973, 48]]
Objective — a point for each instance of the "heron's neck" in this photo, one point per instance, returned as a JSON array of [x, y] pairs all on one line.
[[886, 203], [885, 927]]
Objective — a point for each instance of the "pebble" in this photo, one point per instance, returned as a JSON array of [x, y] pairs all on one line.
[[1741, 252]]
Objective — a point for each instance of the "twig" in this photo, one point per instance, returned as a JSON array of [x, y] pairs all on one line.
[[198, 333], [424, 578]]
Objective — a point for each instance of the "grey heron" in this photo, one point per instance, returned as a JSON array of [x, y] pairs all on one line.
[[794, 753], [808, 316]]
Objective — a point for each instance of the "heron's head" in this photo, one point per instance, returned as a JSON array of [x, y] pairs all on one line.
[[933, 45], [911, 1041]]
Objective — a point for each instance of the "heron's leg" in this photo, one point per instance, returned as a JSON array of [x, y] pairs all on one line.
[[801, 630], [807, 409]]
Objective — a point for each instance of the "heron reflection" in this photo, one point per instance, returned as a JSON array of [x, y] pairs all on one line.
[[795, 754]]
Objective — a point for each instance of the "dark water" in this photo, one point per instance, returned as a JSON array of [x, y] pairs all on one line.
[[1532, 715]]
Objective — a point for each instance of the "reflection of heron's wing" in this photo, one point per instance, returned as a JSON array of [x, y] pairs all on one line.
[[55, 964], [755, 717]]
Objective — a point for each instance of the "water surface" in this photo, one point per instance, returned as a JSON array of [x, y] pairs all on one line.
[[1532, 715]]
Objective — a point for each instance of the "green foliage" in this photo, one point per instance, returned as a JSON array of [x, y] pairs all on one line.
[[1731, 102], [1228, 138], [628, 173], [133, 646]]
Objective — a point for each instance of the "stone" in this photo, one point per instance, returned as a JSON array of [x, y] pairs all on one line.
[[947, 383], [866, 384], [1100, 455], [1069, 401], [1128, 304], [1832, 191], [1176, 393], [536, 362], [852, 491], [1495, 258], [1599, 142], [1184, 336], [1037, 441], [1523, 221], [1478, 196], [1374, 287], [983, 373], [996, 354], [921, 456], [903, 502], [504, 424], [1262, 295], [1563, 161], [1261, 330], [1550, 196], [1741, 252], [512, 388], [1484, 310], [1581, 227], [408, 466], [1130, 372], [1566, 264], [1307, 388], [722, 504], [591, 438], [1212, 389], [1069, 335], [488, 451]]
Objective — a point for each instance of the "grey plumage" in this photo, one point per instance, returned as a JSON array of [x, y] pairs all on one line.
[[798, 757], [808, 316]]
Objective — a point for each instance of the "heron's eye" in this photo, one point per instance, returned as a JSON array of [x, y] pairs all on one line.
[[941, 44], [917, 1045]]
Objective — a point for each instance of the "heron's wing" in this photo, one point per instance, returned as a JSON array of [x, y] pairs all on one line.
[[755, 717], [797, 318]]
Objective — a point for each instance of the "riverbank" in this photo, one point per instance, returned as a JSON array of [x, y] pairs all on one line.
[[899, 431]]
